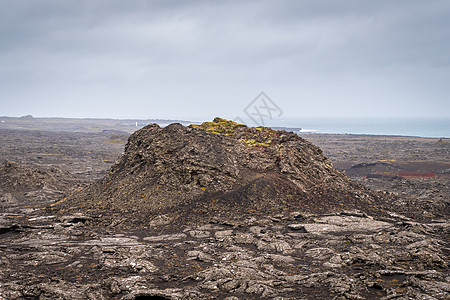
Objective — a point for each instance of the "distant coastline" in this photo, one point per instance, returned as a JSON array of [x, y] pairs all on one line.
[[414, 127], [417, 127]]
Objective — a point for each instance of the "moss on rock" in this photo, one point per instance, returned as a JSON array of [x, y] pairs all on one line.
[[254, 143], [251, 136], [219, 125]]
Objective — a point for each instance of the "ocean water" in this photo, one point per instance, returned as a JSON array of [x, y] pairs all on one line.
[[436, 128]]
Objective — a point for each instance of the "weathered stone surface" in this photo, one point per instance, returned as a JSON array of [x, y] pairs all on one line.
[[223, 233], [245, 262], [297, 227], [164, 238]]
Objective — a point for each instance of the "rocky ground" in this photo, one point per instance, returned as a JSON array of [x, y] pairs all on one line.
[[85, 155], [342, 254], [403, 153], [421, 198]]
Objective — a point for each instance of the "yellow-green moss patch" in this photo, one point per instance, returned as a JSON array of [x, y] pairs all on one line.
[[219, 125], [254, 143]]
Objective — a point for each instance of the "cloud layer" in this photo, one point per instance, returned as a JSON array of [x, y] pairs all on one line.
[[198, 59]]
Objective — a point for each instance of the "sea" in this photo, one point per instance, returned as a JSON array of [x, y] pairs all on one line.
[[418, 127]]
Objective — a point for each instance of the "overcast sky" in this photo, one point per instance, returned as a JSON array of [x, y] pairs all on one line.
[[199, 59]]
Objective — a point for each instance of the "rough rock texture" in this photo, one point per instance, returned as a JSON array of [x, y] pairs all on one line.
[[21, 184], [296, 256], [219, 170], [420, 198]]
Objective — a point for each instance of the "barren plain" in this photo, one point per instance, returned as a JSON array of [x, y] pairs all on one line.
[[402, 252]]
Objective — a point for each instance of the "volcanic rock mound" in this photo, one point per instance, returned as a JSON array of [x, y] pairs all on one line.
[[219, 169]]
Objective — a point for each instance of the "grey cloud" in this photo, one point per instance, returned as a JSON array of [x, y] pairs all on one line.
[[203, 57]]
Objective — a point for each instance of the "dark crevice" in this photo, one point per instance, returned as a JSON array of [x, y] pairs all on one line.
[[149, 297]]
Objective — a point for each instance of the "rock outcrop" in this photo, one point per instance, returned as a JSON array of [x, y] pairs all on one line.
[[219, 170]]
